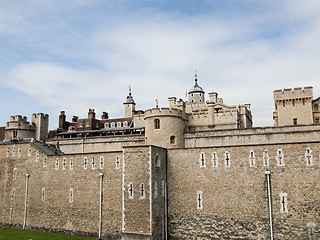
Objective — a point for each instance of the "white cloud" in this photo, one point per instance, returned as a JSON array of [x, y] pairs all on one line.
[[157, 52]]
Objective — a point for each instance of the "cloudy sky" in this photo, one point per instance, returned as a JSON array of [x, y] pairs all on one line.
[[78, 54]]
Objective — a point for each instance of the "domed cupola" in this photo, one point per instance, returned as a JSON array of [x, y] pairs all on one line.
[[196, 93], [129, 105]]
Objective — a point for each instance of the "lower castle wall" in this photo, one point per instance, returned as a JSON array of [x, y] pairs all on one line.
[[49, 204], [234, 198]]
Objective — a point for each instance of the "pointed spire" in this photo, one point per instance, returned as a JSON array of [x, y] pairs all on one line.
[[196, 87], [195, 76], [157, 104], [129, 97]]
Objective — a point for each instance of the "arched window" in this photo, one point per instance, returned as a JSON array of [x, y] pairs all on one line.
[[157, 123], [157, 161], [173, 140]]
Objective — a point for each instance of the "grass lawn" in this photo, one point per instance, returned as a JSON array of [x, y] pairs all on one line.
[[18, 234]]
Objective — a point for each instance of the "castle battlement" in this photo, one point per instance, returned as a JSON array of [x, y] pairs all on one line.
[[289, 93], [164, 112], [18, 118]]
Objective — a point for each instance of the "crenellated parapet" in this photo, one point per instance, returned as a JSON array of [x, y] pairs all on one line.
[[19, 122], [296, 93], [165, 112]]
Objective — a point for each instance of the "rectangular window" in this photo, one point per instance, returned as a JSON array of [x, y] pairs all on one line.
[[283, 203], [13, 151], [214, 160], [227, 161], [64, 163], [71, 164], [29, 151], [155, 190], [37, 156], [295, 121], [85, 163], [293, 102], [265, 158], [43, 194], [308, 157], [303, 101], [252, 159], [130, 190], [117, 163], [199, 200], [12, 193], [14, 174], [101, 162], [15, 134], [202, 160], [19, 151], [71, 195], [162, 188], [280, 158], [45, 162], [93, 164], [8, 152], [283, 103], [11, 213], [87, 124], [317, 120], [57, 164], [142, 191]]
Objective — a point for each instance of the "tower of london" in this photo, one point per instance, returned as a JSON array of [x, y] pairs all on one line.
[[196, 169]]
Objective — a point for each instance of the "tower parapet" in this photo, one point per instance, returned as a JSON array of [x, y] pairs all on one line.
[[41, 122], [165, 127]]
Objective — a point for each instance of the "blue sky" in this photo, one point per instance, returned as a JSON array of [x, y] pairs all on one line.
[[79, 54]]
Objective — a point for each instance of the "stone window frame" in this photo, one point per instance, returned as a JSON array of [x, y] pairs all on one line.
[[309, 161], [87, 123], [14, 151], [13, 193], [265, 158], [71, 195], [80, 124], [8, 151], [295, 121], [312, 231], [155, 193], [29, 151], [283, 202], [156, 124], [214, 159], [14, 174], [252, 159], [142, 191], [44, 162], [43, 192], [162, 188], [85, 163], [227, 163], [157, 161], [93, 164], [64, 164], [56, 166], [118, 162], [19, 151], [280, 158], [11, 213], [71, 164], [37, 156], [199, 200], [130, 190], [202, 160], [101, 162], [172, 140]]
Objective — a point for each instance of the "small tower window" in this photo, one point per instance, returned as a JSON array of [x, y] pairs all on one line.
[[142, 191], [117, 163], [283, 203], [45, 162], [130, 190], [265, 158], [295, 121], [227, 161], [173, 140], [155, 190], [8, 152], [64, 163], [316, 107], [93, 164], [19, 151], [57, 164], [43, 194], [157, 123], [71, 195], [87, 124], [202, 160], [214, 159], [14, 174], [280, 158], [29, 151], [37, 156], [252, 159], [199, 200], [14, 151], [308, 157]]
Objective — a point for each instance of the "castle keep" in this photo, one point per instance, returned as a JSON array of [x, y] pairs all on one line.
[[196, 169]]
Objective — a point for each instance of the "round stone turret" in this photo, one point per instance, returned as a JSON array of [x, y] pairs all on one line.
[[165, 127]]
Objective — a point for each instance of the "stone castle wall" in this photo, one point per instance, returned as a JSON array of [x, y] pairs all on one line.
[[234, 195]]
